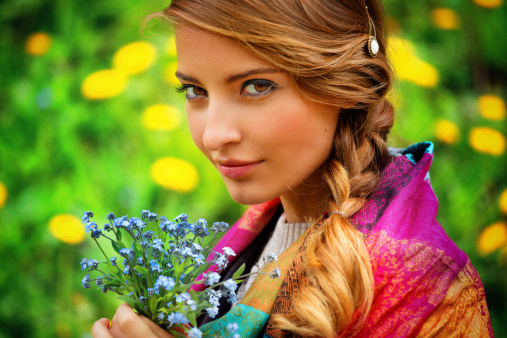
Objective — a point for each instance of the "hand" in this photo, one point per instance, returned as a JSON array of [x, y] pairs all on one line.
[[128, 324]]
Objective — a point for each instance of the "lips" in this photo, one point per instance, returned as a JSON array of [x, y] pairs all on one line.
[[236, 168]]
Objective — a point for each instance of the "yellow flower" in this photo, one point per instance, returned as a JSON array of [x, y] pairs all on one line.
[[169, 71], [161, 117], [489, 3], [174, 174], [135, 57], [38, 44], [492, 238], [67, 228], [445, 18], [446, 131], [492, 107], [170, 47], [104, 84], [503, 201], [3, 194], [408, 66], [487, 140]]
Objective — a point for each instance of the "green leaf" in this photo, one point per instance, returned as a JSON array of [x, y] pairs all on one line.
[[191, 317], [153, 304], [142, 270], [239, 272], [113, 282], [116, 247], [118, 234], [132, 302]]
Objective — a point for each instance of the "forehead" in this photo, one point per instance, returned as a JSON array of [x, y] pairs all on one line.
[[197, 47]]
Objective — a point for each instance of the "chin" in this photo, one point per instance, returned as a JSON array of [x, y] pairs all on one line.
[[246, 197]]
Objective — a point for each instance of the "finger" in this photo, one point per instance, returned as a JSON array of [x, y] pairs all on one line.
[[100, 328], [115, 329], [157, 330], [131, 323]]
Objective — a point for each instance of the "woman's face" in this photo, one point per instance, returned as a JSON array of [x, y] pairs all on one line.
[[265, 139]]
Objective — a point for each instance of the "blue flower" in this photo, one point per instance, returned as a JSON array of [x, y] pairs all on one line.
[[142, 299], [145, 213], [84, 264], [182, 297], [151, 292], [232, 328], [86, 281], [192, 304], [96, 233], [87, 215], [212, 311], [231, 285], [186, 252], [99, 281], [113, 261], [211, 278], [181, 218], [214, 293], [201, 228], [140, 261], [161, 316], [152, 216], [126, 271], [110, 216], [228, 251], [125, 252], [214, 301], [272, 257], [90, 226], [220, 260], [232, 298], [194, 333], [148, 234], [107, 227], [199, 260], [104, 289], [275, 273], [154, 266], [164, 282], [93, 263], [219, 227], [177, 318]]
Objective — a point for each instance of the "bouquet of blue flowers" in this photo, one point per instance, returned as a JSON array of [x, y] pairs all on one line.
[[159, 267]]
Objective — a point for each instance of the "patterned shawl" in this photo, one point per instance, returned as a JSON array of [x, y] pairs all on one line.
[[424, 285]]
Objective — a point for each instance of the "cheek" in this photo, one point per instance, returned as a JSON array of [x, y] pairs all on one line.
[[196, 126]]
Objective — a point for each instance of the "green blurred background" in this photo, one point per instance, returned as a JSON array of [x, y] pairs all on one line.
[[90, 120]]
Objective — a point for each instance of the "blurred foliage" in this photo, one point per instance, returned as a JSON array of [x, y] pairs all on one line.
[[89, 120]]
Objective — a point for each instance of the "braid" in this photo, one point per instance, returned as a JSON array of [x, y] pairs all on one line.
[[337, 261]]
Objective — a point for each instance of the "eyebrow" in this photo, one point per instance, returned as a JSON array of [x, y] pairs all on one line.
[[231, 78], [239, 76]]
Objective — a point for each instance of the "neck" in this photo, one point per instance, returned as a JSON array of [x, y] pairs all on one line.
[[306, 203]]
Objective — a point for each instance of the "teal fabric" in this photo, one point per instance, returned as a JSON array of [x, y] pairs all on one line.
[[250, 320]]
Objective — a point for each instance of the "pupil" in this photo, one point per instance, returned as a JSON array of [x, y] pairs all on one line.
[[260, 87]]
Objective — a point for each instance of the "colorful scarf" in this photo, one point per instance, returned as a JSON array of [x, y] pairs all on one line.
[[424, 285]]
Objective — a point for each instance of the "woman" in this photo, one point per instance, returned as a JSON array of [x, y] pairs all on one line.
[[287, 99]]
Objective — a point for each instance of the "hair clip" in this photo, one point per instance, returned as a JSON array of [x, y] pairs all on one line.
[[373, 46]]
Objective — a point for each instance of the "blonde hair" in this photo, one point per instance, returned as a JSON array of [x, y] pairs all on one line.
[[322, 44]]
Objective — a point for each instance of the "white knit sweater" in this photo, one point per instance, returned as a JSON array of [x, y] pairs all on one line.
[[281, 238]]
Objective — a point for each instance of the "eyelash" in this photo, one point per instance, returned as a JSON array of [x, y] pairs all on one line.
[[270, 84]]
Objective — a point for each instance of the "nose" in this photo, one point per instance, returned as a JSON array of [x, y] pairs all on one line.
[[222, 126]]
